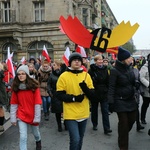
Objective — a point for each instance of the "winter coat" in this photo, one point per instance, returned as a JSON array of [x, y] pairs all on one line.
[[121, 88], [56, 104], [100, 79], [144, 78], [43, 76], [3, 94], [24, 103]]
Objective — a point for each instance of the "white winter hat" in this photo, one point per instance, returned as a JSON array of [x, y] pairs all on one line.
[[23, 68]]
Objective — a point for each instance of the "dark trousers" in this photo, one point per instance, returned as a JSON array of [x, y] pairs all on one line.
[[145, 105], [105, 115], [126, 121], [58, 119], [137, 117]]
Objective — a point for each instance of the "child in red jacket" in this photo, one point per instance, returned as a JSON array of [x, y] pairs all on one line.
[[26, 106]]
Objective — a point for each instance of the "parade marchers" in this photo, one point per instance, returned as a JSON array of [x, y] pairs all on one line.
[[54, 140], [93, 138]]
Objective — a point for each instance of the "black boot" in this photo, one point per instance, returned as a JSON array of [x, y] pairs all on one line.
[[149, 132], [46, 116], [1, 124], [143, 122], [139, 127], [38, 145], [59, 128]]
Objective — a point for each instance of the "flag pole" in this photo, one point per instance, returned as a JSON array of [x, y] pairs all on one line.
[[8, 77]]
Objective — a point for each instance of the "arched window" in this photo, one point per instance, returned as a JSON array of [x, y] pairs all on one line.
[[35, 49], [13, 49]]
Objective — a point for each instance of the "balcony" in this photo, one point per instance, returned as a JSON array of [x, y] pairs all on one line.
[[94, 12]]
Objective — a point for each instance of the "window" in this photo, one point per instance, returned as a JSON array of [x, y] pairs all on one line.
[[6, 13], [39, 11], [85, 16], [12, 48], [35, 49]]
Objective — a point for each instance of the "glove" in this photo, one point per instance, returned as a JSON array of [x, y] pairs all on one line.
[[84, 87], [79, 98], [137, 85], [111, 108]]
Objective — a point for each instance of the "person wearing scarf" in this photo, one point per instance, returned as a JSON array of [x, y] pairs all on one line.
[[25, 106], [75, 88]]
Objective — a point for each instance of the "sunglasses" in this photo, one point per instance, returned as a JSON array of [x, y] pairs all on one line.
[[19, 74]]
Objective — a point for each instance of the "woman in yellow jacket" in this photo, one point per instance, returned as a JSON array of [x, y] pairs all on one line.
[[75, 88]]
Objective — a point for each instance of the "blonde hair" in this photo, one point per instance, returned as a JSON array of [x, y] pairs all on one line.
[[99, 56], [31, 64], [1, 66], [58, 62]]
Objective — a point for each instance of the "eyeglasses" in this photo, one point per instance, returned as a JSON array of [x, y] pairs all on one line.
[[19, 74]]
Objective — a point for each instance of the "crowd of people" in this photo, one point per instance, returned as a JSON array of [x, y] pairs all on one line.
[[74, 93]]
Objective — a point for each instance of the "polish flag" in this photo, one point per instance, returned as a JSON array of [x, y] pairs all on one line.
[[11, 55], [66, 56], [23, 60], [9, 63], [40, 57], [81, 50], [45, 54]]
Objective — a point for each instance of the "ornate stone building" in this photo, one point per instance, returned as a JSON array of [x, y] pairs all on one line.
[[27, 25]]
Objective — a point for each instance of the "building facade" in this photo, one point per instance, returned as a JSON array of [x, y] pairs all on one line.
[[27, 25], [142, 52]]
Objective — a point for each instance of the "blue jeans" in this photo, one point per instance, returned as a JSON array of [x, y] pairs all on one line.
[[23, 134], [46, 100], [105, 115], [76, 133]]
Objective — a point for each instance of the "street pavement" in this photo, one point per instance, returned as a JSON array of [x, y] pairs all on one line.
[[93, 140]]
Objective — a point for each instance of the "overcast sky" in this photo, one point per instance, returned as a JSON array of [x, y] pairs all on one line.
[[135, 11]]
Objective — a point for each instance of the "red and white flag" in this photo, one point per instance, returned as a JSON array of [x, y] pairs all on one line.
[[9, 63], [11, 55], [40, 57], [66, 56], [45, 54], [23, 60], [81, 50]]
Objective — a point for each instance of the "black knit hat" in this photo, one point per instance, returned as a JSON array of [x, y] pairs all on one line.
[[123, 54], [74, 56]]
